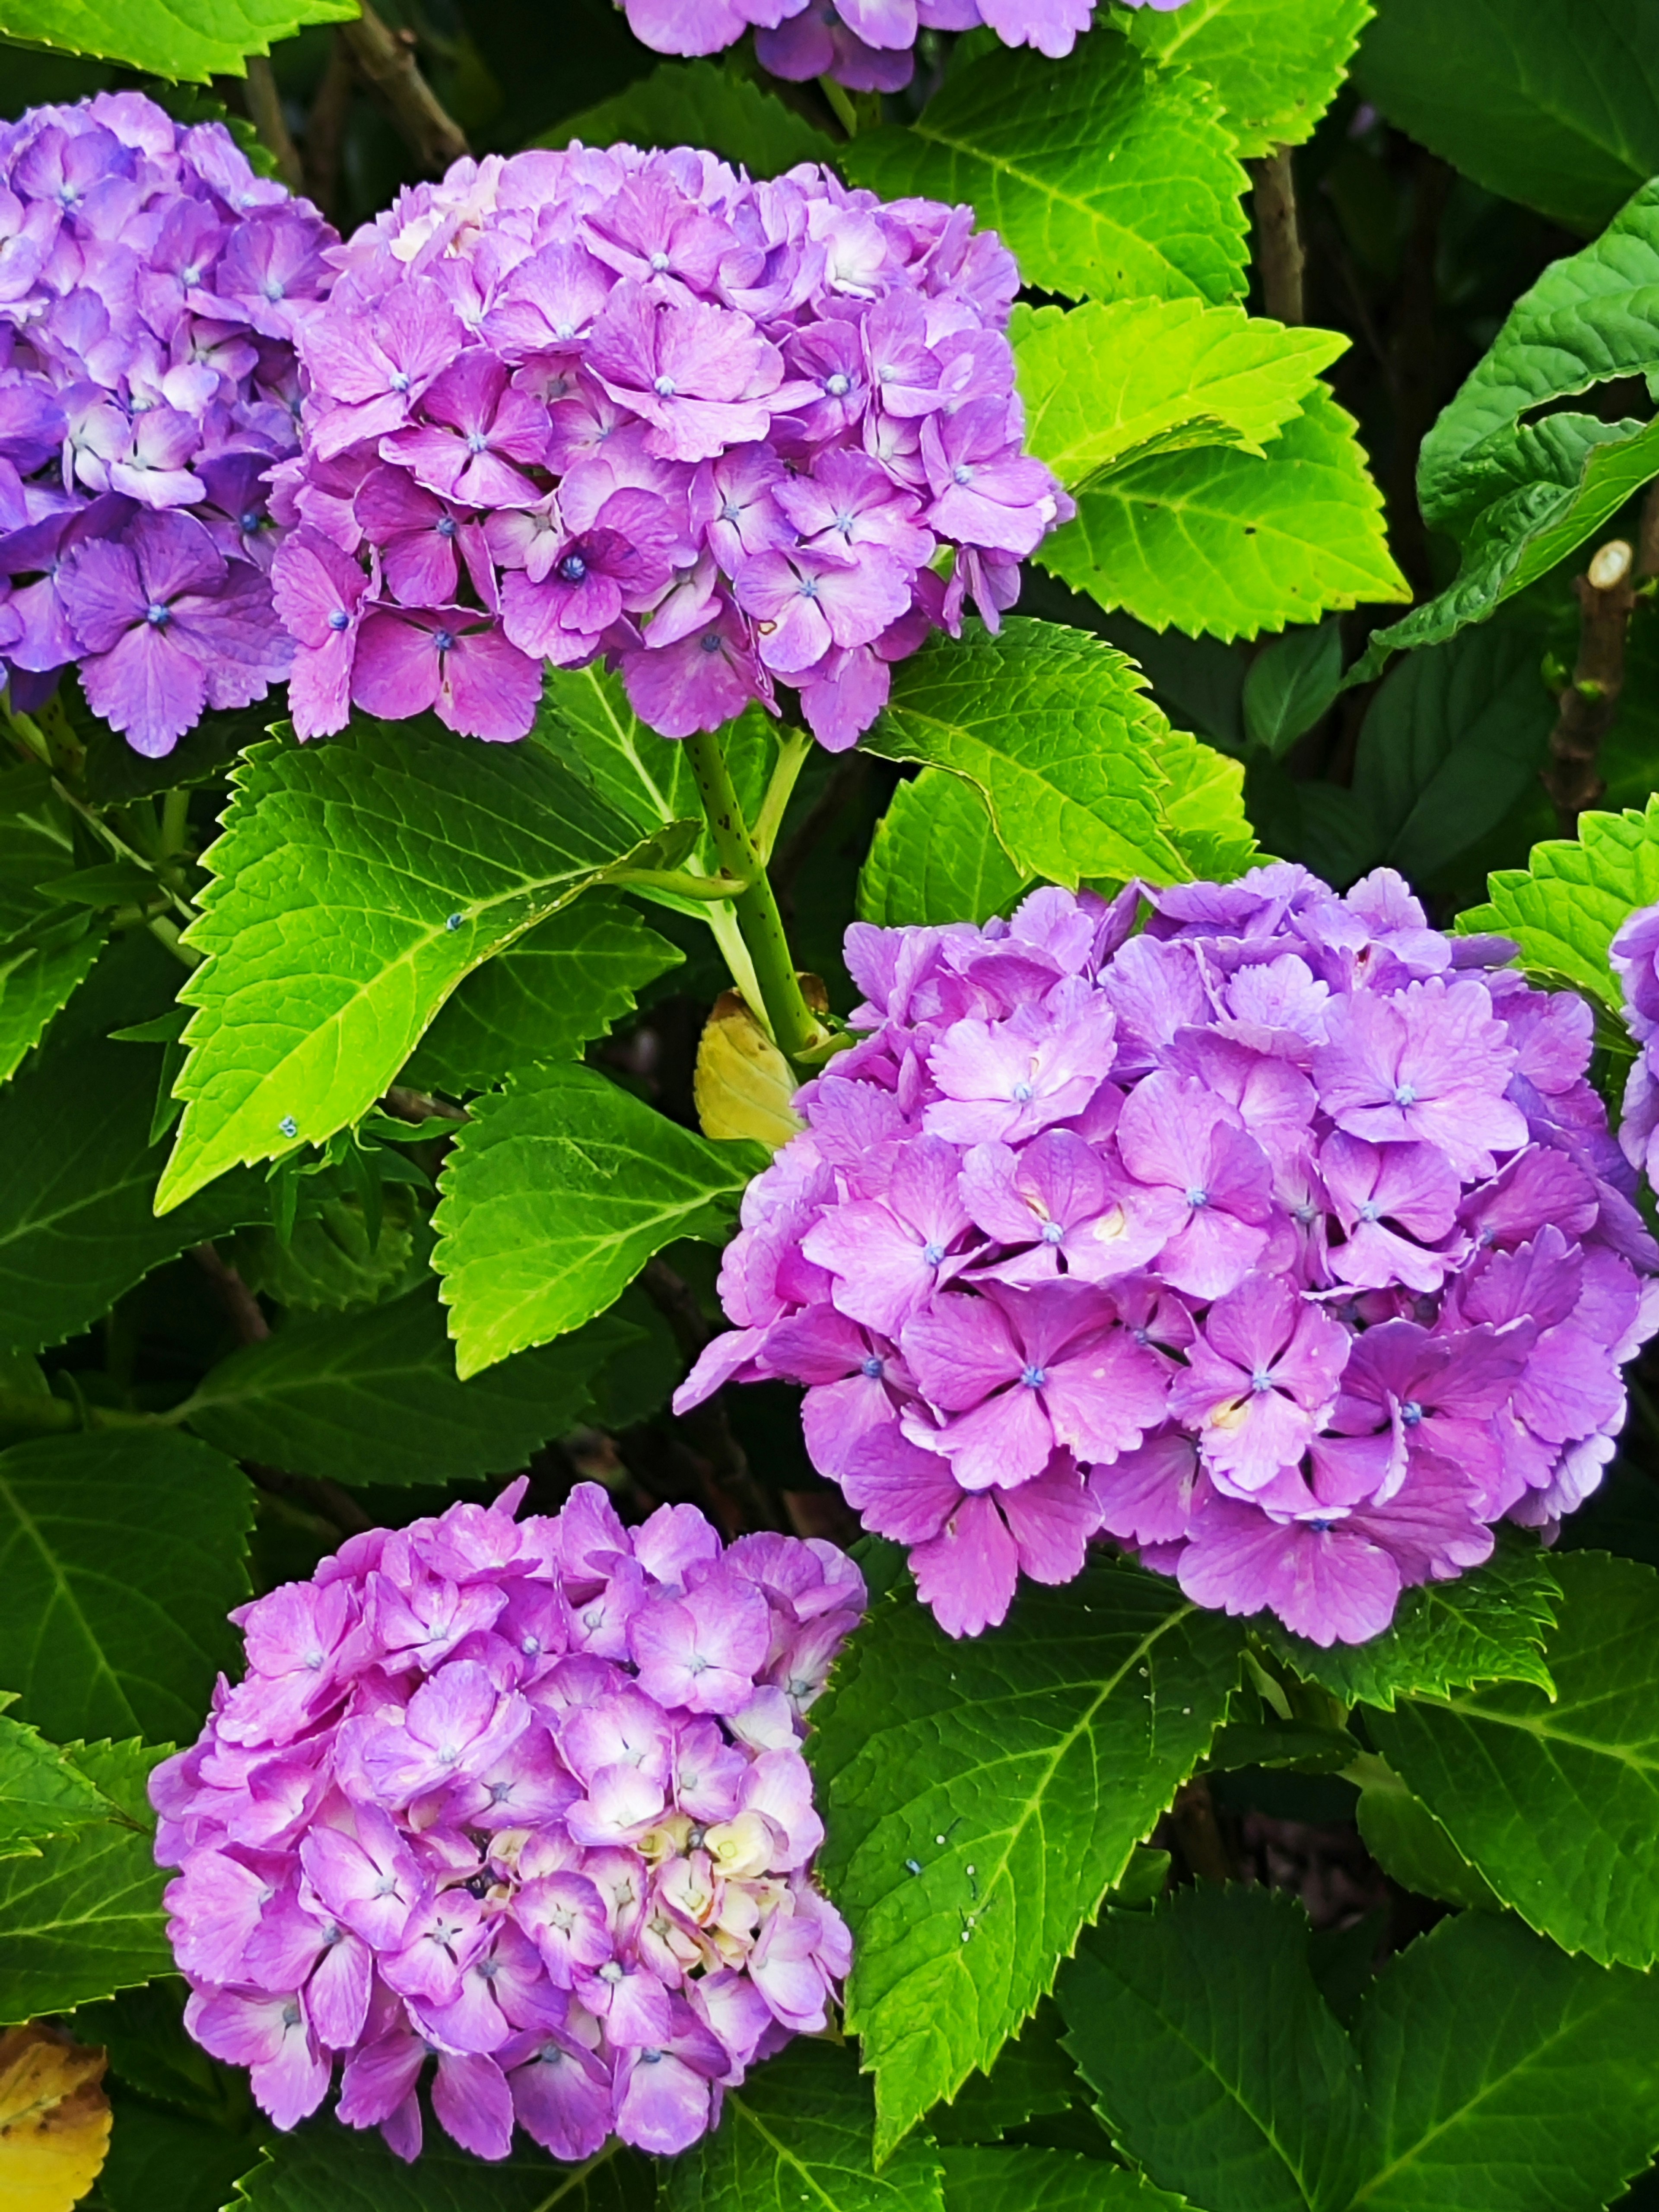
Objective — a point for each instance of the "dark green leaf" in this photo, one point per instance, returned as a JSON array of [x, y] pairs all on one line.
[[329, 1261], [162, 2161], [324, 2168], [697, 104], [1032, 2074], [1408, 1842], [1218, 2065], [1020, 2180], [935, 858], [121, 1554], [1291, 684]]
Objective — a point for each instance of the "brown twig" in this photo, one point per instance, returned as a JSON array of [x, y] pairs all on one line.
[[264, 107], [1606, 592], [744, 1504], [417, 1106], [1194, 1826], [325, 128], [247, 1315], [385, 60], [1414, 363], [1278, 236]]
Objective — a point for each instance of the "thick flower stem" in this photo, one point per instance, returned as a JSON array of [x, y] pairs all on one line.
[[795, 1026]]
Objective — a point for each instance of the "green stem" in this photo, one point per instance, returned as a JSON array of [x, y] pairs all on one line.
[[842, 108], [679, 883], [793, 748], [795, 1028], [175, 823]]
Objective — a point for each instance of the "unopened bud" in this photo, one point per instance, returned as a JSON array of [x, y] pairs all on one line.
[[1610, 565]]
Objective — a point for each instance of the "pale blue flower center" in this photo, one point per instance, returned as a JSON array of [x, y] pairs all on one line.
[[446, 526], [1261, 1380], [659, 262], [1411, 1412], [1405, 1095], [711, 642], [339, 620], [1320, 1528], [573, 567], [664, 387], [444, 640], [1053, 1231], [158, 617], [962, 473], [837, 385], [1371, 1211], [399, 379], [1197, 1197], [249, 520], [732, 511], [874, 1368], [1034, 1378], [808, 588], [477, 442], [273, 290], [1021, 1094], [934, 1254]]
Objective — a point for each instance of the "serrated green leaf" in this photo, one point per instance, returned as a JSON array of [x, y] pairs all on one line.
[[166, 40], [1217, 2066], [36, 981], [1274, 65], [151, 2051], [328, 1263], [1565, 907], [1588, 318], [1032, 2074], [80, 1921], [698, 104], [1019, 136], [1056, 730], [1491, 1625], [556, 1192], [1503, 2076], [1108, 384], [935, 858], [41, 1792], [1289, 685], [324, 2168], [1230, 543], [1203, 808], [560, 987], [371, 1397], [1556, 1803], [353, 886], [45, 953], [1040, 1755], [1022, 2180], [798, 2132], [1567, 114], [121, 1554], [1409, 1844], [162, 2161]]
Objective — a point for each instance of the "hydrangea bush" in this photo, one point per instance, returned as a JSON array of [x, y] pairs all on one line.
[[827, 1254]]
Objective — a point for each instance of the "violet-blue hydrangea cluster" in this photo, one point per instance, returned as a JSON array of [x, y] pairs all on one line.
[[866, 45], [525, 1798], [150, 290], [606, 403], [1635, 955], [1282, 1240]]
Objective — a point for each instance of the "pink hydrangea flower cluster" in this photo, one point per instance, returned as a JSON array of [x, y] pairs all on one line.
[[1635, 956], [525, 1798], [606, 402], [1282, 1240], [150, 288], [866, 45]]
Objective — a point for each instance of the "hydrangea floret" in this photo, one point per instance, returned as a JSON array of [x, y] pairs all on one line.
[[727, 435], [1635, 958], [151, 286], [868, 45], [1282, 1240], [525, 1798]]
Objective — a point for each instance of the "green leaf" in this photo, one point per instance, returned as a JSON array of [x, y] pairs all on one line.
[[557, 1192], [1219, 2068], [1503, 2076], [1455, 736], [1017, 1771], [1229, 542], [324, 2168], [77, 1222], [354, 886], [798, 2132], [1106, 384], [121, 1554], [1566, 118], [1590, 317], [45, 954], [1032, 2074], [935, 858], [329, 1261], [1565, 907], [165, 40], [1055, 729], [1289, 685], [561, 986], [1274, 65], [162, 2161], [1487, 1626], [41, 1792], [37, 980], [84, 1917], [697, 104], [1020, 2180], [1204, 807], [1020, 139], [1408, 1842], [1557, 1803], [371, 1397]]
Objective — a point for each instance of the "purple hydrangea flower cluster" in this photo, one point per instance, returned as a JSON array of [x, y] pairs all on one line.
[[1282, 1240], [526, 1797], [586, 403], [866, 45], [1635, 955], [150, 288]]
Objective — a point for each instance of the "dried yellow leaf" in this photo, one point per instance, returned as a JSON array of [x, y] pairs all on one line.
[[54, 2119], [743, 1084]]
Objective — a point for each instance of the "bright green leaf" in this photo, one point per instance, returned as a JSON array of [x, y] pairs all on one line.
[[697, 104], [1503, 2076], [1106, 384], [324, 2168], [371, 1397], [1274, 65], [977, 2179], [1557, 1803], [1219, 2068], [1228, 543], [935, 858], [557, 1192], [1019, 136], [1203, 808], [162, 37], [1558, 109], [1037, 1757], [1057, 731], [354, 886], [798, 2132], [1564, 908], [1290, 683], [121, 1554], [561, 986], [41, 1792]]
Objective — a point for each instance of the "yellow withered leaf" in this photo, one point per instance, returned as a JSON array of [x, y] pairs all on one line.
[[743, 1084], [54, 2119]]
